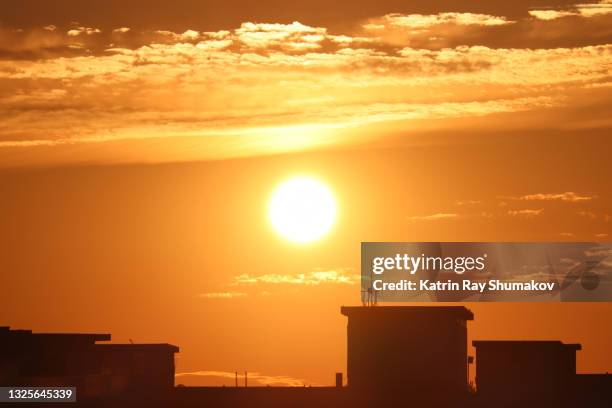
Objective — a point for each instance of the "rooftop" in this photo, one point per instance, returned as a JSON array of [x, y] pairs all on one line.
[[451, 312], [524, 344], [138, 347], [89, 337]]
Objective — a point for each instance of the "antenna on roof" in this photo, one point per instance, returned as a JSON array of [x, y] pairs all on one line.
[[368, 296]]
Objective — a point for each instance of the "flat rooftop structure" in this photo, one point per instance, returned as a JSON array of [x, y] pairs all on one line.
[[525, 344], [525, 371], [454, 312], [76, 359], [6, 333], [409, 351], [138, 347]]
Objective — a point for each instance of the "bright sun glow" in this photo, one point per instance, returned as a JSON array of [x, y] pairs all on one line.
[[302, 209]]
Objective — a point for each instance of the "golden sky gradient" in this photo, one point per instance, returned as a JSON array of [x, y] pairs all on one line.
[[139, 148]]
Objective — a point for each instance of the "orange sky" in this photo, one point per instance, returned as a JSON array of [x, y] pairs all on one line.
[[138, 152]]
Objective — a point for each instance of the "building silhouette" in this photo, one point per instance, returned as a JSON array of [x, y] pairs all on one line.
[[58, 359], [411, 351], [525, 371], [396, 356], [593, 390]]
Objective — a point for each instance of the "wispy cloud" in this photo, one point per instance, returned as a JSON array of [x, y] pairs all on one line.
[[527, 213], [568, 196], [428, 20], [343, 276], [578, 10], [294, 37], [433, 217], [552, 14], [74, 32], [468, 202], [250, 285], [222, 295], [254, 378], [588, 214]]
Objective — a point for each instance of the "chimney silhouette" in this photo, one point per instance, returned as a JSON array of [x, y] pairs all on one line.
[[339, 381]]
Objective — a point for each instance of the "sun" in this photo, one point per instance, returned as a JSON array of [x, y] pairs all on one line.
[[302, 209]]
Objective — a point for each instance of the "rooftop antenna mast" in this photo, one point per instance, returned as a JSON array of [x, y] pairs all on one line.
[[369, 295]]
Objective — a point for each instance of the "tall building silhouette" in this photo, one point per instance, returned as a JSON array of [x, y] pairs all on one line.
[[414, 351]]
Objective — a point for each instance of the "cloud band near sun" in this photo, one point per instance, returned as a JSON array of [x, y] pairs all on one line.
[[286, 87]]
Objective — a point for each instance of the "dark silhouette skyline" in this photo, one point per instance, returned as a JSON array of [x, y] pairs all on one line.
[[396, 356], [77, 360]]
